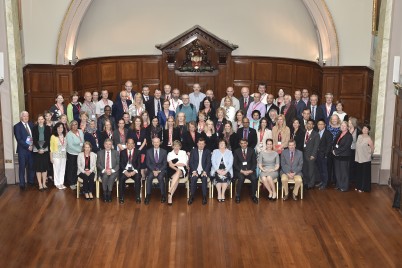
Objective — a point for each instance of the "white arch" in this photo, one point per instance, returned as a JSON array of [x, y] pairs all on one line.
[[318, 10]]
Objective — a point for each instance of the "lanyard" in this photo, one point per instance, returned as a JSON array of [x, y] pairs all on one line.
[[78, 135]]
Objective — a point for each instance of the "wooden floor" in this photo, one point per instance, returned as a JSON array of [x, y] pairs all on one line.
[[326, 229]]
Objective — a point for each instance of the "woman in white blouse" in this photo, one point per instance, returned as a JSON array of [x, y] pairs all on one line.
[[177, 161], [137, 107], [230, 110]]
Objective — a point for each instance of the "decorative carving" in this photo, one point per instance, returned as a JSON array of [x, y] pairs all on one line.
[[196, 58]]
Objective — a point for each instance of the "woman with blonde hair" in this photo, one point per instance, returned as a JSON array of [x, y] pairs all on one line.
[[220, 120], [177, 161], [170, 134], [230, 110], [211, 140], [145, 119], [137, 107], [86, 162], [280, 134]]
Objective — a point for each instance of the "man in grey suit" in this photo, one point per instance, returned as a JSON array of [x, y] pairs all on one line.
[[310, 148], [156, 162], [108, 168], [291, 169]]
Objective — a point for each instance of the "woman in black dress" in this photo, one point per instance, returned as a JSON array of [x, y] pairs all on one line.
[[190, 138], [41, 141], [209, 135], [107, 133], [154, 130], [139, 135], [207, 108], [297, 133], [58, 108], [170, 134], [230, 137]]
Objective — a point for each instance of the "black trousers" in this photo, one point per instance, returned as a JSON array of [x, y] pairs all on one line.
[[137, 184], [88, 184], [321, 162], [341, 166], [308, 171], [71, 169], [240, 181], [331, 169], [161, 180], [193, 185]]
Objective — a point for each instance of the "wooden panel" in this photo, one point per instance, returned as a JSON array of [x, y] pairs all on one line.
[[354, 107], [263, 71], [316, 80], [40, 104], [108, 72], [206, 82], [284, 73], [242, 70], [352, 83], [185, 83], [41, 81], [90, 74], [129, 70], [150, 70], [64, 83], [303, 76]]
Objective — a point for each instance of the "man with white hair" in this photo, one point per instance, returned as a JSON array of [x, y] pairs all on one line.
[[23, 135]]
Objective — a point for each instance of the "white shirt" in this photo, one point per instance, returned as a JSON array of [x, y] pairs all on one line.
[[26, 125], [157, 103], [100, 106], [181, 156], [129, 163], [235, 103], [199, 168], [196, 99], [174, 104]]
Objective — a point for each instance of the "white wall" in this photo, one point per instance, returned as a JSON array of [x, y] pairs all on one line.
[[268, 28], [41, 21], [353, 25]]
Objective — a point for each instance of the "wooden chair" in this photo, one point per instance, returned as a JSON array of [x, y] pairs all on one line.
[[230, 189], [276, 187], [99, 181], [199, 181], [248, 182], [131, 181], [293, 182], [154, 181]]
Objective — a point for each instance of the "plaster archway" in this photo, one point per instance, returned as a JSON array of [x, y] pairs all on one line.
[[318, 10]]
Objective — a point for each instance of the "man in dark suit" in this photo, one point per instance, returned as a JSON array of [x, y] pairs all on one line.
[[245, 164], [324, 149], [291, 169], [271, 105], [299, 104], [200, 166], [305, 97], [306, 115], [289, 110], [154, 106], [108, 168], [120, 106], [316, 113], [247, 133], [328, 108], [245, 99], [130, 166], [167, 92], [156, 162], [23, 135], [311, 142], [145, 94]]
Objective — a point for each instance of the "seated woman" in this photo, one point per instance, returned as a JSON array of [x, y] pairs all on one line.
[[190, 137], [165, 113], [222, 169], [268, 162], [177, 161], [86, 162]]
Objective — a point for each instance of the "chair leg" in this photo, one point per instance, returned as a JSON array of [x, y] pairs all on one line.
[[78, 189], [188, 189], [117, 188], [301, 191], [97, 188], [277, 190], [231, 190]]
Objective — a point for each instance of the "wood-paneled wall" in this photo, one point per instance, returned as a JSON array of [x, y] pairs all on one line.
[[353, 85]]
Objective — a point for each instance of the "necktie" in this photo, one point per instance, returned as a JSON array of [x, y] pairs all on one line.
[[129, 156], [27, 129], [146, 98], [313, 113], [159, 106], [307, 136], [291, 157], [245, 103], [245, 134], [244, 154], [156, 156], [108, 160], [167, 97]]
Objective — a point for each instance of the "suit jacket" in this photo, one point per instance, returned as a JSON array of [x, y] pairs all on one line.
[[21, 135], [35, 136], [273, 106], [251, 159], [152, 164], [252, 136], [149, 99], [118, 110], [118, 98], [296, 166], [101, 122], [323, 112], [115, 159], [150, 106], [290, 115], [342, 148], [299, 138], [116, 137], [81, 162], [325, 145], [149, 135], [135, 160], [138, 138], [241, 101], [205, 160], [312, 145], [89, 137], [222, 125], [165, 140], [319, 114], [299, 108], [188, 142]]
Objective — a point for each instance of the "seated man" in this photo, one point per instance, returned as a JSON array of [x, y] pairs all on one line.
[[200, 167], [156, 162], [291, 169], [108, 166], [130, 165], [245, 164]]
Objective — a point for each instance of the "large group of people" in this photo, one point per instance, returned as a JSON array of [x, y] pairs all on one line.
[[167, 136]]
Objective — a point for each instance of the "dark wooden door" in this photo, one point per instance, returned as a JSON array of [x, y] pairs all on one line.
[[2, 164], [396, 166]]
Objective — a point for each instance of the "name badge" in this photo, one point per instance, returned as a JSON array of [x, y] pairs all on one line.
[[102, 110], [304, 145], [93, 116], [63, 149], [81, 144], [129, 167], [279, 142], [138, 143], [337, 146], [244, 163], [29, 140]]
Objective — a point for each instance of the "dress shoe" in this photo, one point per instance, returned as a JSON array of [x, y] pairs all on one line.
[[204, 200], [170, 204], [269, 197], [121, 200], [147, 199], [138, 200], [163, 199], [343, 190], [322, 187], [22, 188], [237, 199], [190, 200], [285, 197], [31, 184], [318, 185], [255, 199], [105, 199], [294, 197]]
